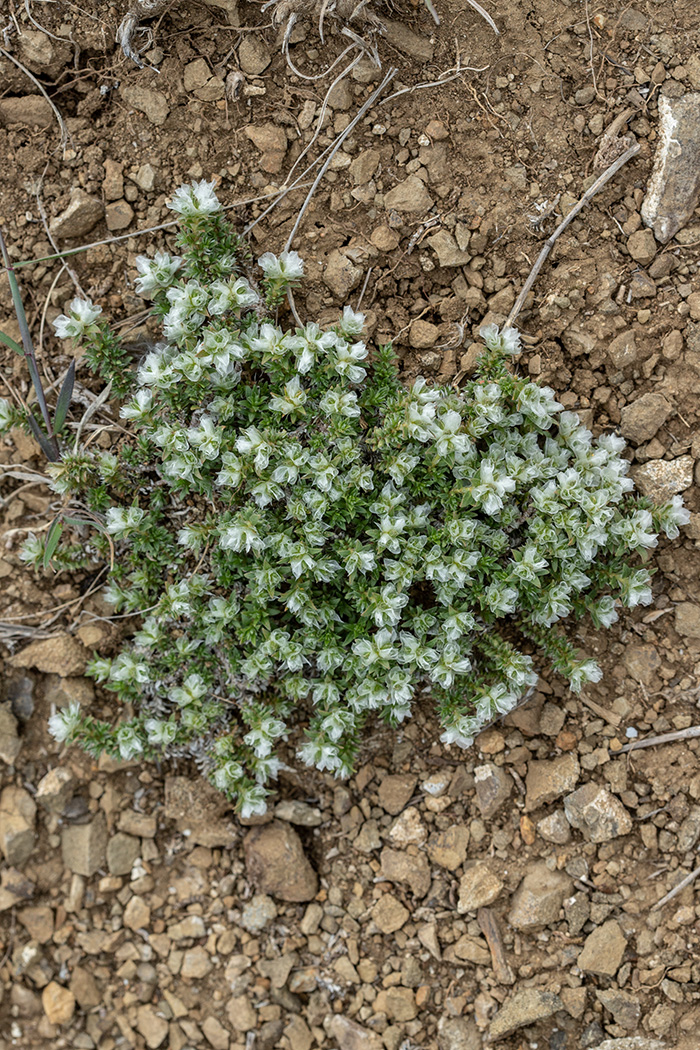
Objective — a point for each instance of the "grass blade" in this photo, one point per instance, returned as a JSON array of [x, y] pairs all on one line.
[[46, 446], [64, 398], [4, 338], [54, 535]]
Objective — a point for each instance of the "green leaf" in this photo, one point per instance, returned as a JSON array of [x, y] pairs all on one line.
[[64, 398], [52, 539], [47, 447], [5, 338]]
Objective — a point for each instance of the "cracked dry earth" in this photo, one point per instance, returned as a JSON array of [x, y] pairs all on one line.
[[501, 896]]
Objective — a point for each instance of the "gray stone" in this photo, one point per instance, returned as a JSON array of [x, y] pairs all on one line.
[[118, 215], [689, 831], [195, 74], [276, 863], [253, 54], [642, 246], [147, 100], [445, 247], [673, 190], [641, 420], [272, 143], [300, 813], [642, 662], [368, 838], [152, 1026], [113, 182], [33, 110], [625, 1008], [81, 215], [364, 166], [413, 869], [622, 351], [410, 195], [493, 788], [20, 693], [341, 275], [351, 1036], [539, 897], [406, 40], [688, 619], [145, 178], [555, 828], [662, 478], [258, 912], [62, 655], [448, 848], [55, 789], [603, 950], [458, 1033], [526, 1007], [84, 846], [389, 914], [10, 743], [17, 816], [598, 814], [122, 851], [396, 791], [549, 780], [478, 887]]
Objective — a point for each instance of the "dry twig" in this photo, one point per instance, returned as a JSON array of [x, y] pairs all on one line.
[[551, 241], [488, 924], [677, 889], [665, 738]]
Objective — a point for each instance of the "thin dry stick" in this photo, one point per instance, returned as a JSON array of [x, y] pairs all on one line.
[[677, 889], [488, 924], [665, 738], [339, 141], [550, 242]]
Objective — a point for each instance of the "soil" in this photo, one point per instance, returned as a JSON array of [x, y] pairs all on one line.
[[415, 936]]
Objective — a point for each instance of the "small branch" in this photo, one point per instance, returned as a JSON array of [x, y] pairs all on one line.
[[550, 242], [491, 931], [677, 889], [665, 738]]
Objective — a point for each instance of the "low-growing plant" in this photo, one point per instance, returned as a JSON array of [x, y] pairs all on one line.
[[306, 539]]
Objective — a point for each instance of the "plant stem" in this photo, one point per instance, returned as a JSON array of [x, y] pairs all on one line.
[[27, 343]]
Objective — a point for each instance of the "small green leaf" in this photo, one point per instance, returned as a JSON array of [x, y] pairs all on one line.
[[64, 398], [47, 448], [52, 539], [5, 338]]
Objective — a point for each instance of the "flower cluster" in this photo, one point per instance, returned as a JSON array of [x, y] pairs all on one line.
[[303, 534]]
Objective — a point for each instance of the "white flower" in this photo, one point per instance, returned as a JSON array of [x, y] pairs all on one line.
[[195, 200], [139, 407], [507, 341], [671, 515], [346, 358], [292, 400], [160, 733], [83, 314], [252, 801], [352, 323], [156, 273], [63, 723], [7, 417], [120, 521], [286, 267], [235, 294], [339, 403], [130, 744]]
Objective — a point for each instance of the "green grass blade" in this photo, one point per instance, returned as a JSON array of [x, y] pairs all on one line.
[[4, 338], [52, 539], [64, 398]]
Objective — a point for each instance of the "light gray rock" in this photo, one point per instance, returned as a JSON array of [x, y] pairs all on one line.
[[147, 100], [603, 950], [526, 1007], [598, 814], [364, 166], [81, 215], [642, 246], [641, 420], [410, 195], [17, 816], [122, 851], [458, 1033], [445, 247], [351, 1036], [555, 828], [493, 788], [84, 846], [674, 187], [253, 54], [54, 789], [539, 897], [662, 478], [688, 619], [549, 780], [478, 887], [625, 1008], [10, 743], [258, 912], [623, 350], [341, 275], [300, 813], [400, 866], [406, 40], [631, 1042]]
